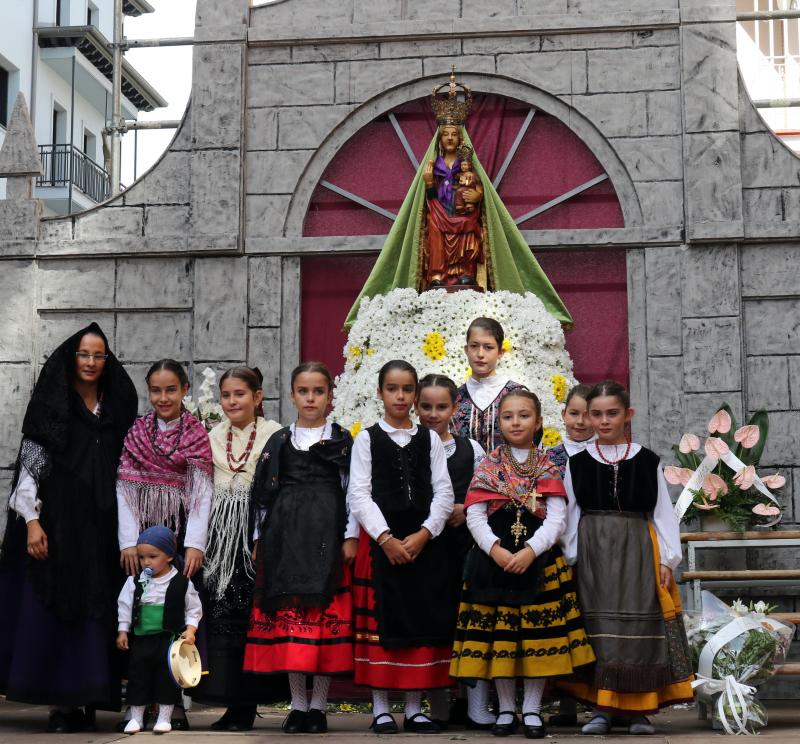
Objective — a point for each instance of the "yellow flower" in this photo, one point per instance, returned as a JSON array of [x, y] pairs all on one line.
[[507, 346], [355, 351], [355, 429], [468, 374], [551, 437], [370, 352], [559, 383], [433, 346]]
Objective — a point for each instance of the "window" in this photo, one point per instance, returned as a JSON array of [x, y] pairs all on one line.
[[89, 144], [4, 77]]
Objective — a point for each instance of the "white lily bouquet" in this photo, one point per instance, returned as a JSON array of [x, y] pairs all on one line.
[[207, 410], [736, 649]]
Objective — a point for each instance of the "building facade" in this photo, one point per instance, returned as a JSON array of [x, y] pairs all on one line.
[[56, 53], [234, 248]]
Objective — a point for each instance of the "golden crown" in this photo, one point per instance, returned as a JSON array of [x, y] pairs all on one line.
[[451, 110], [464, 152]]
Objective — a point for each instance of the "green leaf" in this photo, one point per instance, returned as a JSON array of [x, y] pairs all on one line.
[[753, 456], [685, 461], [727, 438]]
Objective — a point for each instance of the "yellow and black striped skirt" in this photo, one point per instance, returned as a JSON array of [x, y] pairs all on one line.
[[545, 639]]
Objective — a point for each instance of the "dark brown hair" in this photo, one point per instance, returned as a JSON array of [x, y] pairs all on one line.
[[442, 381], [491, 326], [318, 367], [610, 388], [252, 377], [581, 391], [400, 365], [522, 392], [168, 365]]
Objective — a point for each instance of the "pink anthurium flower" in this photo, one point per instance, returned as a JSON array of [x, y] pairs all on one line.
[[689, 443], [716, 448], [766, 510], [745, 477], [774, 481], [714, 486], [747, 436], [705, 506], [720, 422], [672, 473]]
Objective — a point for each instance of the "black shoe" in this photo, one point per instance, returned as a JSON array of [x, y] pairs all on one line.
[[436, 283], [466, 281], [535, 731], [240, 718], [89, 720], [317, 722], [566, 720], [443, 725], [506, 729], [471, 725], [296, 722], [221, 724], [419, 723], [179, 720], [58, 723], [387, 726]]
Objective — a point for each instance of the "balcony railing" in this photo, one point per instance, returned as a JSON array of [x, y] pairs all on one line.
[[63, 164]]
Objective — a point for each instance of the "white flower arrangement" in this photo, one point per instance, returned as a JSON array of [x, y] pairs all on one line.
[[206, 409], [429, 330]]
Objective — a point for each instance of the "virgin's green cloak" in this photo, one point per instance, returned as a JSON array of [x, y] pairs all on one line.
[[512, 265]]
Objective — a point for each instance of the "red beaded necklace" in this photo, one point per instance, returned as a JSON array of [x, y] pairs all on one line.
[[612, 462], [238, 464]]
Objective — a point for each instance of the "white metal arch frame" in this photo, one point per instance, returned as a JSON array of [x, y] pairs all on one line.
[[484, 83]]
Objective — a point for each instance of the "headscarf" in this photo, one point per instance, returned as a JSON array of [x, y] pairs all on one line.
[[160, 471], [496, 481], [160, 537]]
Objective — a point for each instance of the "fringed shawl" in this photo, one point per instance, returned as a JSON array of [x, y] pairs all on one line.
[[229, 524], [496, 481], [160, 481]]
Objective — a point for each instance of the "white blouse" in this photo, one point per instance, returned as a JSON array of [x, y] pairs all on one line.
[[477, 451], [541, 541], [359, 492], [664, 519], [573, 448], [154, 594], [197, 519], [484, 390]]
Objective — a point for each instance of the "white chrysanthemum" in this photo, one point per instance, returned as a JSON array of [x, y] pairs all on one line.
[[406, 325]]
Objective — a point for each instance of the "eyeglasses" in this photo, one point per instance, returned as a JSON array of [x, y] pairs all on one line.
[[85, 356]]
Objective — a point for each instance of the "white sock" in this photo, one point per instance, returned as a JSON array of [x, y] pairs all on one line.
[[413, 703], [319, 696], [137, 714], [380, 703], [507, 699], [478, 702], [440, 704], [532, 701], [164, 713], [297, 686]]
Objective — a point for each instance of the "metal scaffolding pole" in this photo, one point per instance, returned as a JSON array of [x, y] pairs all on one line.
[[768, 15], [116, 100], [778, 103], [166, 42], [133, 125]]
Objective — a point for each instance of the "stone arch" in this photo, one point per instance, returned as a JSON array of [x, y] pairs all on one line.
[[482, 83]]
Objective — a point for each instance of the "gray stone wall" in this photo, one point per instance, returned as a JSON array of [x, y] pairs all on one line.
[[200, 259]]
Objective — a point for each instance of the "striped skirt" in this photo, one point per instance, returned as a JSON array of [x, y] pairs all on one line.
[[416, 668]]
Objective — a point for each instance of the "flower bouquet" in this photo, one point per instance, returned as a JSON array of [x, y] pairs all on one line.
[[206, 409], [725, 481], [429, 331], [736, 649]]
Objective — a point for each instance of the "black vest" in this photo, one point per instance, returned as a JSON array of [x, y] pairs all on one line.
[[401, 476], [637, 482], [174, 604], [460, 466]]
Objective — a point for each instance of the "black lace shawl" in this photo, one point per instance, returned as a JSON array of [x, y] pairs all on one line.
[[72, 455]]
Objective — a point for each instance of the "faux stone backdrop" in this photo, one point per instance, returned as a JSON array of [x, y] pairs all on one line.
[[200, 258]]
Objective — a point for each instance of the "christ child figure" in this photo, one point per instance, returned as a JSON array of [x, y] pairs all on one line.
[[466, 180]]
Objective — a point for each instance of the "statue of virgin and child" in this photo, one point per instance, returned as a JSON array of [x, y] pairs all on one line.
[[453, 230]]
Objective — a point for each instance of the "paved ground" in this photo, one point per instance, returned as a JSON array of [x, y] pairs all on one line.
[[25, 724]]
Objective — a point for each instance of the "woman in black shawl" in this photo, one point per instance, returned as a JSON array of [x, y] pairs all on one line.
[[59, 569]]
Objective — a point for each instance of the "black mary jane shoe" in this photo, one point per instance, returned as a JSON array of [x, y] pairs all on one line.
[[471, 725], [419, 723], [386, 726], [506, 729], [296, 722], [536, 731], [317, 722]]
